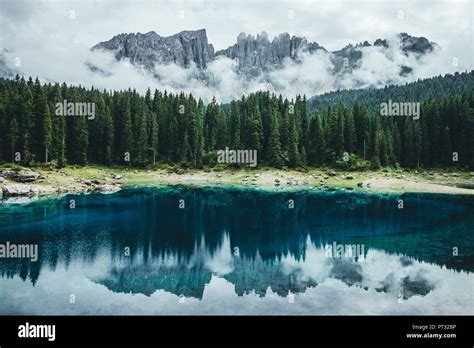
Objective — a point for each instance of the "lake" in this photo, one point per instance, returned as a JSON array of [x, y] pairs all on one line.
[[224, 250]]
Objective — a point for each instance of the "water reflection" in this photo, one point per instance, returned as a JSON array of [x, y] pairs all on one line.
[[283, 276], [140, 242]]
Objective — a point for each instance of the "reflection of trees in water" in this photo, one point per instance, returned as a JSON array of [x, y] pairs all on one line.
[[150, 223], [248, 275], [258, 276], [255, 276], [180, 280]]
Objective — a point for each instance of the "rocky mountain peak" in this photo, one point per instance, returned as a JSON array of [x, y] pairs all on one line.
[[184, 48], [254, 55], [418, 45]]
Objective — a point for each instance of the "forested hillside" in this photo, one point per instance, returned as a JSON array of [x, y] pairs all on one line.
[[166, 128], [421, 90]]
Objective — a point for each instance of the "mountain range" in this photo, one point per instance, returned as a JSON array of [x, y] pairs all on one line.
[[188, 62], [253, 55]]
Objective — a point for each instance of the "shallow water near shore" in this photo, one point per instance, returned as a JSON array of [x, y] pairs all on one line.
[[211, 250]]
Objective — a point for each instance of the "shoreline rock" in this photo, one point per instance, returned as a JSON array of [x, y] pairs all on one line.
[[18, 190], [20, 176], [107, 188]]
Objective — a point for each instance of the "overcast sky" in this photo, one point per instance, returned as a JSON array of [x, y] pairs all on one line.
[[50, 35], [330, 23]]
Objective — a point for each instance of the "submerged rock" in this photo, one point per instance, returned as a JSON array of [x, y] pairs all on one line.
[[106, 188], [19, 200]]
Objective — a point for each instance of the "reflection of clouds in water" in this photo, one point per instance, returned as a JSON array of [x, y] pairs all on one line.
[[221, 262], [380, 278], [316, 265], [392, 274]]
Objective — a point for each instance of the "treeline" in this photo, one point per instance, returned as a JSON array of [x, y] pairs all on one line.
[[421, 90], [160, 127]]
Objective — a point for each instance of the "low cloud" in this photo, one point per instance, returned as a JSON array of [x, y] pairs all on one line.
[[312, 74], [56, 48]]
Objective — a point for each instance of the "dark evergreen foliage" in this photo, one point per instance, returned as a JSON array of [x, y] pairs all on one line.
[[336, 129]]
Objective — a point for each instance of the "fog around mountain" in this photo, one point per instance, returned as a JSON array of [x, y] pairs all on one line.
[[286, 48]]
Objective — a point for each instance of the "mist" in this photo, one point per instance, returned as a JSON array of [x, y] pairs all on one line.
[[52, 40]]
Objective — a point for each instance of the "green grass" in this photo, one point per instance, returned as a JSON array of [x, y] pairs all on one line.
[[150, 176]]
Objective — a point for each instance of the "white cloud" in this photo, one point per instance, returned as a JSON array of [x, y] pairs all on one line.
[[54, 46]]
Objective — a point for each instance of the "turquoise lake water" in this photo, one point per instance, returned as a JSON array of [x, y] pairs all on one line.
[[198, 250]]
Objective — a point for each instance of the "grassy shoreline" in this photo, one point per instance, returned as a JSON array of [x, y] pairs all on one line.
[[88, 178]]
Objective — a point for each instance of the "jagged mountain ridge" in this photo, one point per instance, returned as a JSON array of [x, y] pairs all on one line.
[[259, 53], [254, 54], [151, 48]]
